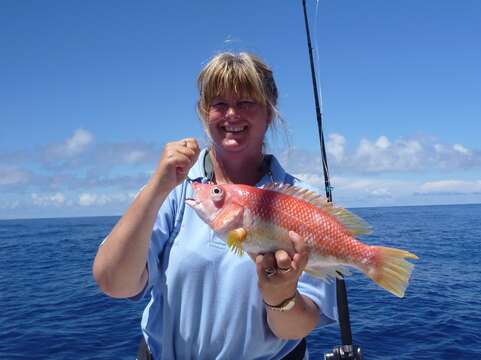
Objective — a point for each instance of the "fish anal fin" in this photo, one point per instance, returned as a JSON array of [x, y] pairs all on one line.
[[328, 273]]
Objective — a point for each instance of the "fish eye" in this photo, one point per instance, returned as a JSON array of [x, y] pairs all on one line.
[[216, 190], [217, 193]]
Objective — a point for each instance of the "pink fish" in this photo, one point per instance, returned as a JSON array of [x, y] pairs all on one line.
[[258, 220]]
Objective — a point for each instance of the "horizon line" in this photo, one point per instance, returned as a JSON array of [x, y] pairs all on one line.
[[350, 207]]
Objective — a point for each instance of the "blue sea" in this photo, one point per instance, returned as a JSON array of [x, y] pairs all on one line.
[[50, 307]]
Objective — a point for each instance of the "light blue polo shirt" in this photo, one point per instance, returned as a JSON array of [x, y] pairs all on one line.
[[205, 303]]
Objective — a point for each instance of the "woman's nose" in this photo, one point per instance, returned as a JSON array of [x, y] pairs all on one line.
[[231, 110]]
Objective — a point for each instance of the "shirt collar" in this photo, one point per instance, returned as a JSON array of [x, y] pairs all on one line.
[[197, 172], [275, 174]]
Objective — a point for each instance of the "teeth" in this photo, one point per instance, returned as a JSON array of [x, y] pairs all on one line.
[[234, 129]]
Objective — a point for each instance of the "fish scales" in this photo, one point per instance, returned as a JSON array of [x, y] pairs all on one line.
[[329, 237]]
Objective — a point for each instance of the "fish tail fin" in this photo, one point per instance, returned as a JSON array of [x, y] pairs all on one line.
[[390, 269]]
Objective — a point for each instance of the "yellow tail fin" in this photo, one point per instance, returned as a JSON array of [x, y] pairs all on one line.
[[391, 270]]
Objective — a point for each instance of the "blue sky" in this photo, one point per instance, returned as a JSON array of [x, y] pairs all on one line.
[[91, 90]]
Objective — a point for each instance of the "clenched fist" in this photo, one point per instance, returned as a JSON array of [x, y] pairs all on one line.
[[176, 160]]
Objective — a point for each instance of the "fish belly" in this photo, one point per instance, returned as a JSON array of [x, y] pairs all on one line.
[[264, 236]]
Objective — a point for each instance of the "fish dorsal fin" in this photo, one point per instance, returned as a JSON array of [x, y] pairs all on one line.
[[354, 224], [297, 192]]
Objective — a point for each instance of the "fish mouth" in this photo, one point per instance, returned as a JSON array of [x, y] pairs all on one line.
[[191, 202]]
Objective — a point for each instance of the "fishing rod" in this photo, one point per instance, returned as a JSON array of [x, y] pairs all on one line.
[[347, 350]]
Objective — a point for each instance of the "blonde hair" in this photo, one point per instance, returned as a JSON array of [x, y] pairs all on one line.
[[242, 74]]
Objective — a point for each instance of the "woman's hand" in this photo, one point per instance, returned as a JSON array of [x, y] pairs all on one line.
[[278, 275], [279, 272], [176, 160]]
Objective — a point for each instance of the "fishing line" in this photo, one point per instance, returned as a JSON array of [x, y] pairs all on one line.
[[319, 94], [327, 183], [316, 51]]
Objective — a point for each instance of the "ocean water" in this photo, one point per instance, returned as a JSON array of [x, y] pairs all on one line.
[[52, 309]]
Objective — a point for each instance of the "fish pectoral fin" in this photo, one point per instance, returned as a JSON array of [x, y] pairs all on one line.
[[235, 239], [328, 273]]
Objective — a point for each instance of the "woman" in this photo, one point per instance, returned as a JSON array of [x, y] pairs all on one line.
[[206, 302]]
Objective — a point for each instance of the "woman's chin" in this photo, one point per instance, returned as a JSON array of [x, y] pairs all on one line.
[[233, 145]]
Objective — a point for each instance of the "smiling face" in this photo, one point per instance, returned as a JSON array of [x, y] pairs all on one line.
[[237, 103], [237, 124]]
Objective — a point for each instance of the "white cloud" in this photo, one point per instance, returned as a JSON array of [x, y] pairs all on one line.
[[75, 145], [10, 205], [335, 146], [135, 156], [126, 154], [56, 199], [385, 172], [88, 199], [13, 176], [311, 178], [356, 191], [359, 187], [450, 186], [79, 141], [79, 154], [461, 149], [383, 142], [92, 199], [382, 155], [372, 186], [402, 155], [230, 39]]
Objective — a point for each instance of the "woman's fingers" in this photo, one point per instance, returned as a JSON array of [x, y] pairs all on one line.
[[265, 264], [192, 144], [176, 160], [186, 147], [280, 271], [301, 256], [283, 261]]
